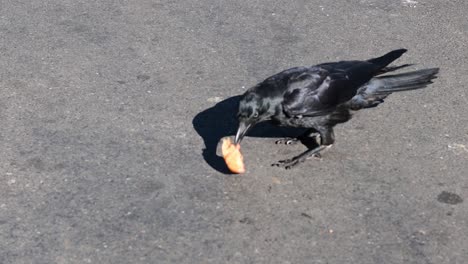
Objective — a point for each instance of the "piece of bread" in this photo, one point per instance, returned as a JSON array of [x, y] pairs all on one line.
[[232, 156]]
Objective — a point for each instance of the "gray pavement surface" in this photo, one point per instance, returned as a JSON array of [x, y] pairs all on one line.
[[106, 108]]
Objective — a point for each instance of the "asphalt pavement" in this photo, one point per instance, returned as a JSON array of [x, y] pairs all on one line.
[[111, 111]]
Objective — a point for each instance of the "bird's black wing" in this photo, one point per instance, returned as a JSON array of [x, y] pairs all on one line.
[[319, 90]]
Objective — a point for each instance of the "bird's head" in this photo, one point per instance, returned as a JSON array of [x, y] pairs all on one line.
[[253, 109]]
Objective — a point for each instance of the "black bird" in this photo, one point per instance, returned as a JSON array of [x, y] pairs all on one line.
[[322, 96]]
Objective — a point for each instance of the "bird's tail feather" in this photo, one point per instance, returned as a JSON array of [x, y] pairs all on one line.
[[387, 58], [405, 81]]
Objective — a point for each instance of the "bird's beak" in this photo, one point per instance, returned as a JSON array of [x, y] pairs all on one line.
[[241, 131]]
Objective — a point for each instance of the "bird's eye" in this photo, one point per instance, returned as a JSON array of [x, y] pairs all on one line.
[[255, 114]]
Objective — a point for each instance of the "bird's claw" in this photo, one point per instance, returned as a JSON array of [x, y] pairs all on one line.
[[287, 163], [290, 163], [317, 156], [287, 141]]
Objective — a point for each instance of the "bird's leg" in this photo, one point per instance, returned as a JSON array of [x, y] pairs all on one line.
[[327, 138], [310, 133]]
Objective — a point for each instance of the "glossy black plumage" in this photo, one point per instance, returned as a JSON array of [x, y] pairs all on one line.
[[321, 96]]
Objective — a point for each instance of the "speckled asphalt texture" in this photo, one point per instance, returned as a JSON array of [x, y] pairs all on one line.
[[110, 113]]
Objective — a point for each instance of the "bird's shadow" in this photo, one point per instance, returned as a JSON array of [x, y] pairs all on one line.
[[219, 121]]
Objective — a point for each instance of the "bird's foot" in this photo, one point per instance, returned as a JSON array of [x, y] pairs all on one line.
[[313, 138], [290, 163], [287, 141], [287, 163]]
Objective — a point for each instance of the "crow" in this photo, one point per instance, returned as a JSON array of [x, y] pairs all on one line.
[[319, 97]]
